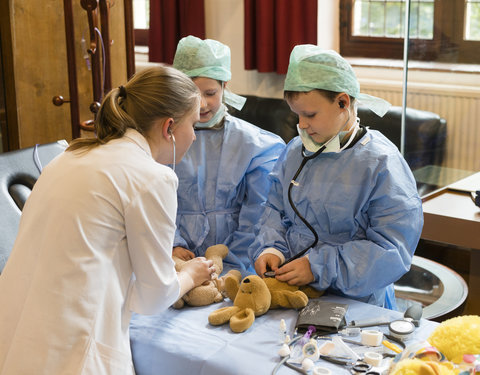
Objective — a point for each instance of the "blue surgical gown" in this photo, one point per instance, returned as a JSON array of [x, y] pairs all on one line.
[[223, 185], [363, 204]]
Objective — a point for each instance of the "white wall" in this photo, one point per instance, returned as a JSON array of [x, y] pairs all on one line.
[[224, 22]]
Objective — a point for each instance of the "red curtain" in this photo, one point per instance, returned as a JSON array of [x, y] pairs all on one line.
[[273, 28], [171, 20]]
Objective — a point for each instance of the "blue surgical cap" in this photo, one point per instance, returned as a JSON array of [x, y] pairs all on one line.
[[203, 58], [312, 67], [206, 58]]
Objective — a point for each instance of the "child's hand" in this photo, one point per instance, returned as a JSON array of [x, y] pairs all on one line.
[[265, 261], [297, 272], [182, 253]]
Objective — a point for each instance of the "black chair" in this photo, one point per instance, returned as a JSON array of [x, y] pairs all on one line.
[[19, 170], [271, 114], [425, 133], [424, 137]]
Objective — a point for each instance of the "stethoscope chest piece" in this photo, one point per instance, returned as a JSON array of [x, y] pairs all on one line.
[[401, 329]]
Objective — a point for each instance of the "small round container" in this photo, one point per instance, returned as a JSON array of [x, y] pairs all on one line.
[[401, 329]]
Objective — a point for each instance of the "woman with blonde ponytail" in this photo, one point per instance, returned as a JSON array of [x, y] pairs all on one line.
[[96, 235]]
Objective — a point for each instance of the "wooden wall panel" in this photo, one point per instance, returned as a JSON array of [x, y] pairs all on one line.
[[40, 66], [40, 70]]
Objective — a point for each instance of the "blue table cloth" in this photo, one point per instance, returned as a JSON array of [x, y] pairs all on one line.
[[183, 342]]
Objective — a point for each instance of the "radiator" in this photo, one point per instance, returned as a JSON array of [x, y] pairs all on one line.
[[458, 105]]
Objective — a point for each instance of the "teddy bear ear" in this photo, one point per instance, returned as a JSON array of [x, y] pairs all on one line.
[[232, 282]]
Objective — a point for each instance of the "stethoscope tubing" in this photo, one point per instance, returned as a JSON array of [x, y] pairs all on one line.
[[293, 182]]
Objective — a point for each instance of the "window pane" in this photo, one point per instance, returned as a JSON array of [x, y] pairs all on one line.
[[472, 20], [141, 14], [360, 26], [414, 9], [377, 19], [394, 23], [385, 18], [425, 21]]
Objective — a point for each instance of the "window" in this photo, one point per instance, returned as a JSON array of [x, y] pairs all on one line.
[[386, 19], [472, 17], [440, 30], [141, 21]]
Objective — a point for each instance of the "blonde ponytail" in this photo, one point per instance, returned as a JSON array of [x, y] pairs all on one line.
[[151, 94]]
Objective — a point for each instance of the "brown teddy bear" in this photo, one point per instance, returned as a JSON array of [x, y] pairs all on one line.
[[254, 296], [211, 291]]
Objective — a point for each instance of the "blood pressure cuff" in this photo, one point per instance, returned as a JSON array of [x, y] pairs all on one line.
[[326, 317]]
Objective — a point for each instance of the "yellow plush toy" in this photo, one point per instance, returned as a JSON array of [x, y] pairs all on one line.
[[210, 292], [416, 366], [254, 296], [457, 336], [457, 342]]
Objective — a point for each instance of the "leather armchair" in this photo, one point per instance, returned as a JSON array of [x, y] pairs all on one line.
[[19, 170], [424, 137]]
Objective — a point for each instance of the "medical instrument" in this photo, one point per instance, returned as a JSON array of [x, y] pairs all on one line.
[[401, 329], [173, 140], [307, 335], [373, 358], [284, 350], [350, 331], [318, 370], [356, 367], [286, 357], [283, 330], [307, 364], [310, 350], [371, 337], [413, 314], [297, 351], [36, 159], [293, 182], [391, 346], [392, 341]]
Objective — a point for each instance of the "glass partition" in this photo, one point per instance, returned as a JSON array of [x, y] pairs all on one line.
[[447, 86]]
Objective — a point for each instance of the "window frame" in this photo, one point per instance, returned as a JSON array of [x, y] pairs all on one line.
[[447, 44]]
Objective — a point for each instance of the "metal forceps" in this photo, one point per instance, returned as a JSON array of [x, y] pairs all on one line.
[[355, 367]]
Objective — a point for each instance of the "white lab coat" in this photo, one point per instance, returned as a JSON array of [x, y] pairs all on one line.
[[94, 244]]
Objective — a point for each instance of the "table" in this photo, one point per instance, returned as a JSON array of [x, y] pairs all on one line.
[[182, 341], [451, 217]]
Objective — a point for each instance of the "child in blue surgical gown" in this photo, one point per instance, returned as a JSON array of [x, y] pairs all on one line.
[[343, 199], [223, 180]]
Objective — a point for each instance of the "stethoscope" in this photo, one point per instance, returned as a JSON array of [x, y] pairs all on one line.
[[293, 182]]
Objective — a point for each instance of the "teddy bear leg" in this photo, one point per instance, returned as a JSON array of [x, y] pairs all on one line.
[[179, 304], [311, 292], [222, 315], [294, 300], [242, 320]]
